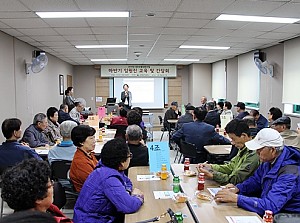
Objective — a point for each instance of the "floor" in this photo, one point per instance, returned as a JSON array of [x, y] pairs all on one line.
[[68, 210]]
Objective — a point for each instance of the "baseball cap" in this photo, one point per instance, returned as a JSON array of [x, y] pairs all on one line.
[[265, 137], [241, 105], [189, 107], [174, 103], [282, 120]]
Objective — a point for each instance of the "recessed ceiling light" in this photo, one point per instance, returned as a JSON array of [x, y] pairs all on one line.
[[205, 47], [183, 60], [103, 60], [100, 46], [245, 18], [81, 14]]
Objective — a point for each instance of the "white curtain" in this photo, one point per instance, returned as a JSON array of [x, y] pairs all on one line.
[[291, 72], [248, 79], [219, 80]]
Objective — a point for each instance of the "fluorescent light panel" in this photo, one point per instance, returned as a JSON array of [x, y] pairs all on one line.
[[245, 18], [205, 47], [183, 60], [103, 60], [100, 46], [81, 14]]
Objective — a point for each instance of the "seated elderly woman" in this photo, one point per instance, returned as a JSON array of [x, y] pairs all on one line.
[[27, 186], [108, 194], [28, 216], [66, 149], [52, 131], [84, 160]]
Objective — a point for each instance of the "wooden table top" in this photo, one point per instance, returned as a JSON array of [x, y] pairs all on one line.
[[218, 149], [153, 207], [206, 211]]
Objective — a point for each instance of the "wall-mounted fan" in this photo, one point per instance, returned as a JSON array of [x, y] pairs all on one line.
[[38, 63], [264, 67]]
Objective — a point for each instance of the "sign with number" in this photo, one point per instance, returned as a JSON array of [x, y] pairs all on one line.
[[159, 153]]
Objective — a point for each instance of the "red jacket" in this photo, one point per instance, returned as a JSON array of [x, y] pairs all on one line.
[[58, 215]]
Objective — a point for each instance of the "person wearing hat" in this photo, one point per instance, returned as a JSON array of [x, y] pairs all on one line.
[[171, 113], [187, 117], [275, 182], [240, 108], [283, 126], [212, 117]]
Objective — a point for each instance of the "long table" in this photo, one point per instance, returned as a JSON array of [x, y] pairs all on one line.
[[109, 134], [151, 206], [206, 211]]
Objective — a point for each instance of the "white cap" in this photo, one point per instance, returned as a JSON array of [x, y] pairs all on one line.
[[265, 137]]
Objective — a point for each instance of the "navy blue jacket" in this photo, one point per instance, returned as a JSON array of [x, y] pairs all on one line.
[[64, 116], [278, 185], [241, 115], [188, 117], [13, 152], [35, 137], [213, 118], [200, 134], [261, 123]]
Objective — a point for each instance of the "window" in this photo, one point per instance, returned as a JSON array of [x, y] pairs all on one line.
[[296, 109], [292, 109], [252, 105]]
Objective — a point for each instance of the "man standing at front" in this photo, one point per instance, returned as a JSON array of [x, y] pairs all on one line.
[[275, 182]]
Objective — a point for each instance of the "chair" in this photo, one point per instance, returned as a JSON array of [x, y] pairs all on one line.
[[59, 195], [2, 169], [60, 173], [163, 129], [190, 150], [121, 131]]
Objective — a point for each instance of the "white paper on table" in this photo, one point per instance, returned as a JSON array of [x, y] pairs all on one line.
[[213, 191], [147, 177], [163, 194], [228, 148], [243, 219]]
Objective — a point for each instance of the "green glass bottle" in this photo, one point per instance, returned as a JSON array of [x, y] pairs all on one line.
[[176, 184], [178, 216]]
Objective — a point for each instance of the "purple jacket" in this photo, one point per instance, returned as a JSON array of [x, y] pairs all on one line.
[[278, 186], [104, 197]]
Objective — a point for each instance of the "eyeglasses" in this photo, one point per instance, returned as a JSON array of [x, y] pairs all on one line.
[[130, 155], [51, 184]]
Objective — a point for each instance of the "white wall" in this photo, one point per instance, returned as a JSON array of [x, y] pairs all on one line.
[[25, 95]]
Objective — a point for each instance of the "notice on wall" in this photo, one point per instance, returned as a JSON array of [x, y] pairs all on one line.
[[159, 153]]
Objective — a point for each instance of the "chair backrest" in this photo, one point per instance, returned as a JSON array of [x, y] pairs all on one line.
[[121, 131], [60, 169], [59, 195], [188, 149], [160, 119]]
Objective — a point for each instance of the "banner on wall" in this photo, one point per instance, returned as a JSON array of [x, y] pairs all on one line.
[[138, 71]]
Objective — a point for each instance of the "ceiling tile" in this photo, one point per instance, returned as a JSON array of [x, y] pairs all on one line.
[[73, 31], [12, 5], [68, 23], [48, 38], [25, 23], [107, 22], [38, 32], [50, 5], [13, 32], [109, 30], [212, 6], [287, 10], [154, 5], [148, 22]]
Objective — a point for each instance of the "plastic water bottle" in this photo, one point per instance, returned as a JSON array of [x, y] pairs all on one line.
[[164, 172], [201, 181], [186, 164]]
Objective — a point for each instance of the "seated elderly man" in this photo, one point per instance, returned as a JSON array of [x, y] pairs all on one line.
[[242, 165], [200, 134], [34, 135], [63, 114], [290, 137], [275, 184], [187, 117], [75, 112], [212, 117], [261, 121], [241, 110], [137, 146], [66, 149], [171, 113], [11, 151]]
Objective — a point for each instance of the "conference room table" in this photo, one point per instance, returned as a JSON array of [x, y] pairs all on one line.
[[108, 135], [206, 211], [154, 207]]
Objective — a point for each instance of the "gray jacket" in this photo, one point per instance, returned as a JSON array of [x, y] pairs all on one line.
[[124, 98], [35, 137]]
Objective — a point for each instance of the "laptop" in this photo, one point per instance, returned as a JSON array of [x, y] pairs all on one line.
[[111, 101]]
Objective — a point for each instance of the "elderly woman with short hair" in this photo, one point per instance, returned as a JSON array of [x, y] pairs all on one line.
[[27, 186], [107, 193], [66, 149], [84, 160], [52, 131]]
